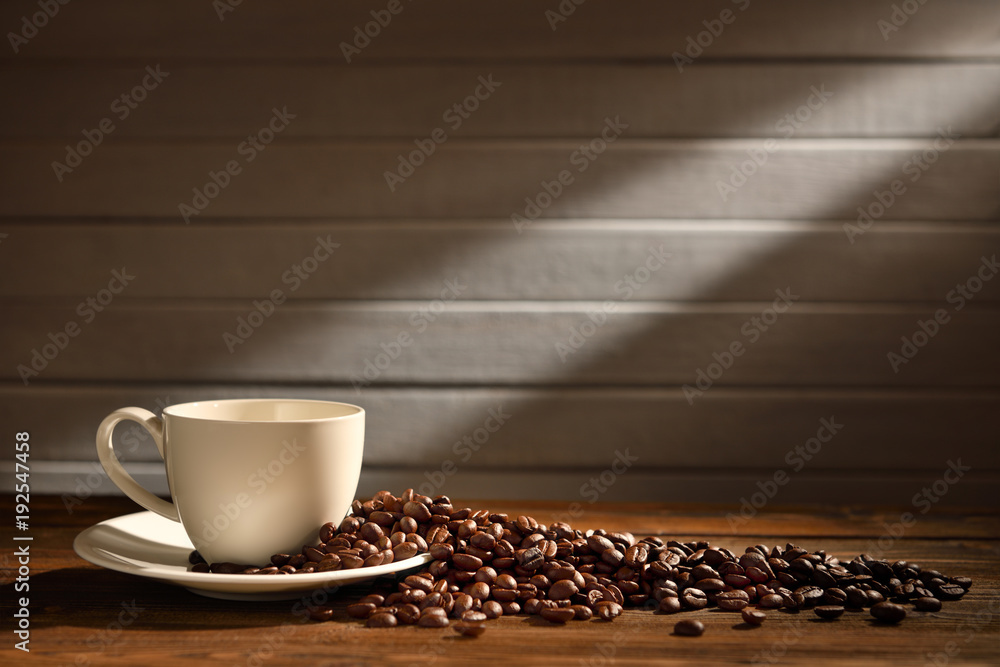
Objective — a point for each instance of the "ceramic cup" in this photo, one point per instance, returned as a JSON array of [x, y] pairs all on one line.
[[248, 478]]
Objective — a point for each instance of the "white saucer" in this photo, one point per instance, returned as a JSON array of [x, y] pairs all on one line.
[[151, 546]]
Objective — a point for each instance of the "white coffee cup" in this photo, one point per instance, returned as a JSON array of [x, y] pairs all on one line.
[[248, 477]]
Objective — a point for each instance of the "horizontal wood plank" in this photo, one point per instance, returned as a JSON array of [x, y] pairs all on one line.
[[726, 432], [803, 179], [80, 482], [442, 342], [519, 29], [717, 100], [709, 260]]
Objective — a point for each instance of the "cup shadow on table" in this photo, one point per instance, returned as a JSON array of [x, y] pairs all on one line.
[[101, 599]]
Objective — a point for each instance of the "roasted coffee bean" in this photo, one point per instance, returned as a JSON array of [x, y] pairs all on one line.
[[227, 568], [533, 606], [582, 612], [321, 613], [563, 589], [689, 628], [492, 609], [829, 612], [510, 608], [360, 609], [927, 604], [811, 594], [732, 600], [834, 596], [557, 615], [473, 616], [466, 562], [404, 550], [670, 605], [693, 598], [888, 612], [408, 614], [753, 616], [772, 601], [529, 559], [950, 592], [433, 617], [382, 620], [606, 610]]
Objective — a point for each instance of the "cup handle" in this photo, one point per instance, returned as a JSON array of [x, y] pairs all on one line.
[[117, 473]]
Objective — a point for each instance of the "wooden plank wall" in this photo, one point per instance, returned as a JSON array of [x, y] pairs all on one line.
[[584, 318]]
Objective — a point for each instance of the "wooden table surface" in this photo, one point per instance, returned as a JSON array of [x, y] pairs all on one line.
[[76, 607]]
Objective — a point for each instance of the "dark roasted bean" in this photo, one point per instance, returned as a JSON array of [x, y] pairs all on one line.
[[360, 609], [753, 616], [563, 589], [732, 600], [382, 620], [670, 605], [927, 604], [829, 612], [888, 612], [321, 613], [694, 598], [557, 615], [606, 610], [433, 617], [689, 628]]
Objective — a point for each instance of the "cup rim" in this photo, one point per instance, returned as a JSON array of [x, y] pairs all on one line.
[[170, 411]]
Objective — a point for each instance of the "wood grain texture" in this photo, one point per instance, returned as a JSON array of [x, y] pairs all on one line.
[[553, 260], [804, 179], [506, 343], [727, 429], [455, 30], [714, 100], [175, 627]]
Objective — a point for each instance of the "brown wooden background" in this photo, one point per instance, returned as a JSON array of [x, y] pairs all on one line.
[[160, 341]]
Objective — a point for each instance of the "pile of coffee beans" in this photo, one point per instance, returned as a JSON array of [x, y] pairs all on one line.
[[487, 565]]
